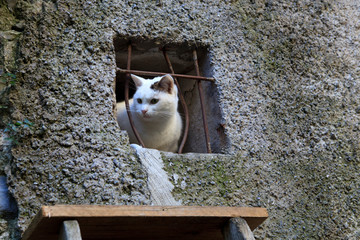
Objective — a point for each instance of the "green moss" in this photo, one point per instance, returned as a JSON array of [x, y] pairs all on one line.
[[210, 179], [222, 179]]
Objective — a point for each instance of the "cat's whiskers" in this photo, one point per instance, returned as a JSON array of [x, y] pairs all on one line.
[[154, 114], [163, 114], [132, 111]]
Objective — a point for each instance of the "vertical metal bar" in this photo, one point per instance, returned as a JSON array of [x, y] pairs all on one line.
[[127, 79], [201, 95], [183, 103]]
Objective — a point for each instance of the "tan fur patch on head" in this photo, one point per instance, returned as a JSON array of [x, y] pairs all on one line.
[[166, 84]]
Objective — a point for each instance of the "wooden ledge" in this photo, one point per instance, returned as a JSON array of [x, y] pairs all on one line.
[[141, 222]]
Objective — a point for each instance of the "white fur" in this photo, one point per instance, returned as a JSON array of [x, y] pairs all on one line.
[[161, 126]]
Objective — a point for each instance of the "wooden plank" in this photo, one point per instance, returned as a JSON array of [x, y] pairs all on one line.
[[141, 222], [150, 211]]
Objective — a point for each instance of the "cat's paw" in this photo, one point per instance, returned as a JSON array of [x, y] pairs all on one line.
[[135, 146]]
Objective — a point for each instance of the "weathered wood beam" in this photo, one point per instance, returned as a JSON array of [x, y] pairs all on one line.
[[70, 230], [237, 229]]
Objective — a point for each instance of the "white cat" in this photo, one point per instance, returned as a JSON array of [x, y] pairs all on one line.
[[154, 109]]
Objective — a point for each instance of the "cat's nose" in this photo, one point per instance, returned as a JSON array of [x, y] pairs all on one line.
[[144, 111]]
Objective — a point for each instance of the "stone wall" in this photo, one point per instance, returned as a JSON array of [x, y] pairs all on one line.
[[287, 73]]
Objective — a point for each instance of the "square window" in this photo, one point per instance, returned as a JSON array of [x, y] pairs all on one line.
[[148, 58]]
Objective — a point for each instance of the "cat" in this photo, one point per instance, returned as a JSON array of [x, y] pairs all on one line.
[[154, 110]]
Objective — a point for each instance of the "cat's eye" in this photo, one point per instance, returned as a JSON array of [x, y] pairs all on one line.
[[139, 100], [154, 101]]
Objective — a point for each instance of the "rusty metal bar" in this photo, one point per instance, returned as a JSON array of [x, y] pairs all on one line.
[[201, 95], [147, 73], [183, 103], [127, 79]]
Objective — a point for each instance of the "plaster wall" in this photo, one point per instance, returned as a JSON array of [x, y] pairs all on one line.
[[287, 74]]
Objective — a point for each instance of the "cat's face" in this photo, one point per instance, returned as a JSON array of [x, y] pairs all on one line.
[[155, 99]]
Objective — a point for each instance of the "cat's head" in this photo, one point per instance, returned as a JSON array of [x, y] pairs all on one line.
[[156, 98]]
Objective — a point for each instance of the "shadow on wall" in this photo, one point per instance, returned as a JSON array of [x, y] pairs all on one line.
[[8, 207]]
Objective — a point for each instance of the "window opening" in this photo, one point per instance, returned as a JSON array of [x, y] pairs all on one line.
[[125, 73]]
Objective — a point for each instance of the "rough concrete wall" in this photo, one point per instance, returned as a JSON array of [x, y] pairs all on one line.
[[8, 47], [72, 150], [288, 80]]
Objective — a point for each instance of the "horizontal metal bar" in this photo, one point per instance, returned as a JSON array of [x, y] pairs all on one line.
[[146, 73]]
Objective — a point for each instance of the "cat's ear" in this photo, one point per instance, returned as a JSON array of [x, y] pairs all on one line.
[[137, 80], [166, 84]]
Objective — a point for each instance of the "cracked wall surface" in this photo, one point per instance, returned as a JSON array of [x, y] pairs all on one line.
[[287, 73]]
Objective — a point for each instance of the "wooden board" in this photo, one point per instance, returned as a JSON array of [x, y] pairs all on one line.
[[140, 222]]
